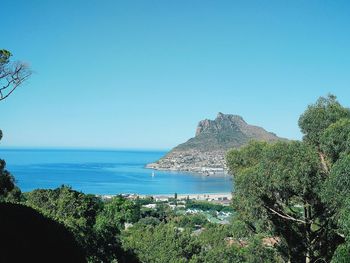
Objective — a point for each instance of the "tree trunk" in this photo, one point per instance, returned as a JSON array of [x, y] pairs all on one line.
[[307, 216], [323, 162]]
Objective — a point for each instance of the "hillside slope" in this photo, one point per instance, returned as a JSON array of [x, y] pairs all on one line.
[[206, 151]]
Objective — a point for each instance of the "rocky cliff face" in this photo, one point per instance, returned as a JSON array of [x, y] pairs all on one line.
[[205, 153]]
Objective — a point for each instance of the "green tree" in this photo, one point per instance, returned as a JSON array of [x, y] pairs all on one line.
[[12, 75], [282, 188], [222, 254], [109, 223], [335, 141], [257, 252], [320, 116], [8, 190], [75, 210], [191, 221], [161, 243], [118, 211]]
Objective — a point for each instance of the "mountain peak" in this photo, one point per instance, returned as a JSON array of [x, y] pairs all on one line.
[[221, 116], [223, 122], [212, 140]]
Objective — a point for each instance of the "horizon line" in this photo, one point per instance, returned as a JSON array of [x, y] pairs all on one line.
[[80, 148]]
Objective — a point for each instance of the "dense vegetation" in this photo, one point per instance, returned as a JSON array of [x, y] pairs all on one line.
[[122, 230], [299, 190], [206, 206], [152, 235]]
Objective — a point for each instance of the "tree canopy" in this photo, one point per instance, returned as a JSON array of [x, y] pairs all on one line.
[[297, 190]]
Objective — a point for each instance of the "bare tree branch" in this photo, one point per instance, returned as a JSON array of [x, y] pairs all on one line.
[[12, 74], [285, 216]]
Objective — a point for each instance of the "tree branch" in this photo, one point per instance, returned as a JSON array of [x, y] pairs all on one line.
[[284, 216], [12, 75], [323, 162]]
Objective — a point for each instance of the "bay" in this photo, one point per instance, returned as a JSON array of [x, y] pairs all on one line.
[[104, 172]]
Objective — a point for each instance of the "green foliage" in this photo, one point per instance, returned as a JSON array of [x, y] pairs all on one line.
[[298, 191], [153, 221], [145, 201], [222, 254], [162, 212], [319, 116], [249, 156], [290, 172], [96, 225], [74, 209], [184, 238], [342, 254], [256, 252], [337, 185], [161, 243], [118, 211], [9, 192], [191, 221], [207, 206], [343, 219], [240, 229], [222, 243], [335, 141], [215, 235], [4, 56], [272, 185], [109, 222], [178, 241]]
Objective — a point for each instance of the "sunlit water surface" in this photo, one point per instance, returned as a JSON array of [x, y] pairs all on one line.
[[104, 172]]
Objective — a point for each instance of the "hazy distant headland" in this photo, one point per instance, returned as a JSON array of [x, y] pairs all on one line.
[[205, 153]]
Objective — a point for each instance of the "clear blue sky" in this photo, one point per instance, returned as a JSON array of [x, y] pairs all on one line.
[[141, 74]]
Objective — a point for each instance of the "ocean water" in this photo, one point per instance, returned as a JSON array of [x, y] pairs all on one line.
[[104, 172]]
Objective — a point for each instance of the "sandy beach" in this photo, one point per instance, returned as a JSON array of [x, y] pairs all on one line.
[[194, 196], [205, 196]]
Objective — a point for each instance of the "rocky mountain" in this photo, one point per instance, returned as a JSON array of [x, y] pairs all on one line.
[[205, 153]]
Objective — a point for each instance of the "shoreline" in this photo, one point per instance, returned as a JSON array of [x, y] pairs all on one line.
[[201, 196], [194, 173], [203, 171]]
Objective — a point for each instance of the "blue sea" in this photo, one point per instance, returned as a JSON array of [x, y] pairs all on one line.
[[104, 172]]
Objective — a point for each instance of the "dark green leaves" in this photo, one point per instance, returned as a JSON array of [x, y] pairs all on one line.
[[319, 116], [8, 190], [299, 190], [335, 141], [337, 186], [4, 56]]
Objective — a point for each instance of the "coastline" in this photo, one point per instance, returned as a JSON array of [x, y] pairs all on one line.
[[203, 196], [197, 172], [191, 196]]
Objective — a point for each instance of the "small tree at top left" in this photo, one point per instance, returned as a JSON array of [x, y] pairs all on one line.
[[12, 75]]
